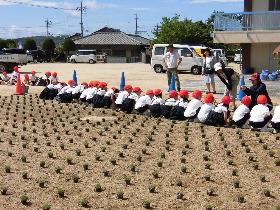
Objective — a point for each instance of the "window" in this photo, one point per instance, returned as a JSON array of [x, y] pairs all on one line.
[[274, 5], [159, 50], [186, 52]]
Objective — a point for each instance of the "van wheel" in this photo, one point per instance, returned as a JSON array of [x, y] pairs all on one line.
[[196, 70], [158, 69], [92, 61]]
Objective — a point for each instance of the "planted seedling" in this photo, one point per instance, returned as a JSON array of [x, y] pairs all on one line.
[[271, 153], [4, 190], [211, 192], [266, 193], [98, 188], [236, 184], [265, 147], [69, 161], [183, 160], [159, 164], [155, 174], [58, 170], [179, 183], [61, 192], [207, 166], [256, 166], [113, 162], [184, 169], [84, 203], [152, 189], [25, 175], [8, 169], [41, 183], [147, 204], [240, 199], [120, 195], [86, 166], [50, 154], [180, 195], [10, 154], [46, 206], [42, 164], [76, 178], [62, 146], [263, 179], [132, 168], [24, 200], [277, 162], [127, 180], [78, 152], [106, 173], [207, 178]]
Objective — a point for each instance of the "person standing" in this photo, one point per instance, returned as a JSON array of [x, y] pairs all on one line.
[[171, 61], [208, 70]]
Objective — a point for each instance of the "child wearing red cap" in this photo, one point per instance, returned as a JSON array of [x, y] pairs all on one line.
[[275, 122], [92, 91], [26, 79], [129, 103], [97, 98], [194, 106], [65, 94], [143, 103], [169, 104], [109, 97], [14, 75], [260, 114], [4, 78], [33, 78], [157, 102], [220, 114], [54, 77], [242, 113], [85, 92], [78, 91], [51, 91], [177, 112], [44, 80], [123, 95], [206, 108]]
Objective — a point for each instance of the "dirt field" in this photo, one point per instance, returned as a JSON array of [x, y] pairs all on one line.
[[169, 165]]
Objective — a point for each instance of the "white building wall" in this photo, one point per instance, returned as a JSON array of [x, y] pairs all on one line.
[[260, 5]]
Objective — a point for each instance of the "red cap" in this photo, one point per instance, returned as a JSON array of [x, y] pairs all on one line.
[[226, 100], [54, 74], [149, 92], [94, 83], [128, 87], [197, 94], [255, 77], [71, 82], [246, 100], [102, 84], [137, 89], [262, 99], [157, 92], [183, 93], [209, 98], [15, 68], [113, 88], [26, 76], [48, 73], [173, 94], [84, 83], [33, 72]]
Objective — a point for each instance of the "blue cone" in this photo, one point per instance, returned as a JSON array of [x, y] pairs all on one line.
[[172, 83], [241, 92], [122, 83], [75, 78]]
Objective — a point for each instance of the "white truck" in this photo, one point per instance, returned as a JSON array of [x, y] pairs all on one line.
[[84, 56], [12, 57]]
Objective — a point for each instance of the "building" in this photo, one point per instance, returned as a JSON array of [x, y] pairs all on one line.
[[119, 46], [257, 30]]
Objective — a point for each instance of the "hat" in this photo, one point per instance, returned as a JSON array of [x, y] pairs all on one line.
[[262, 99], [84, 83], [196, 94], [183, 93], [218, 66], [226, 100], [26, 76], [157, 92], [173, 94], [15, 68], [54, 74], [209, 98], [255, 77], [33, 72], [137, 89], [149, 92], [94, 83], [246, 100], [128, 87], [71, 82], [47, 73], [102, 84]]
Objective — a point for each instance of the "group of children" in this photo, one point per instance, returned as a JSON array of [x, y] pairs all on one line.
[[178, 106]]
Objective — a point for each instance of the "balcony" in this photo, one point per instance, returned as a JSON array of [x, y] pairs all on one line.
[[247, 27]]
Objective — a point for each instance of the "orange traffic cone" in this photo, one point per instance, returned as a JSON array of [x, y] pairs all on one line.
[[19, 90]]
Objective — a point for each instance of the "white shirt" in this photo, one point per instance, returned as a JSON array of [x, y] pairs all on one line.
[[143, 101], [70, 90], [63, 90], [134, 96], [109, 93], [92, 91], [276, 117], [204, 111], [33, 78], [170, 102], [122, 95], [101, 92], [259, 112], [55, 79], [58, 86], [14, 75], [5, 79], [220, 108], [182, 103], [50, 86], [78, 89], [172, 59], [240, 112], [192, 108], [157, 100], [85, 93]]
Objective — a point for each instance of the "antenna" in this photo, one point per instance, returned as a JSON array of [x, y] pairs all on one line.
[[137, 32], [82, 9], [48, 25]]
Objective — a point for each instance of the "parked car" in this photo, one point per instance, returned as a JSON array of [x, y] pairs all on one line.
[[84, 56], [190, 60], [238, 56]]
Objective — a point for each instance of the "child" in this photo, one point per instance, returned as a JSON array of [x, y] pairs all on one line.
[[194, 106], [54, 77], [129, 103], [65, 94], [85, 92], [5, 78], [143, 103], [109, 97], [123, 95], [78, 90], [169, 104], [51, 91], [33, 78], [260, 114], [242, 113], [157, 101], [177, 112], [44, 80], [92, 91], [97, 98], [276, 120], [220, 115], [14, 75], [26, 79], [206, 108]]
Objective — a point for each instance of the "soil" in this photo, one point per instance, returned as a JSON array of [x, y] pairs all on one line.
[[108, 133]]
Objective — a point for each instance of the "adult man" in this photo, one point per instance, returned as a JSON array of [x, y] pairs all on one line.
[[172, 60]]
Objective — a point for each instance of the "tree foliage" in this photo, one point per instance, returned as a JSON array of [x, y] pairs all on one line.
[[69, 45], [11, 43], [29, 44], [49, 47], [3, 44]]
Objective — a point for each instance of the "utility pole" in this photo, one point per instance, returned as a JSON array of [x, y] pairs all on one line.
[[137, 32], [48, 25], [82, 9]]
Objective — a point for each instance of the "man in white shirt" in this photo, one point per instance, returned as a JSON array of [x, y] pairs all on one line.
[[171, 61]]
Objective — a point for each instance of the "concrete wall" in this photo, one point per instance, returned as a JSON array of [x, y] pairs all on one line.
[[260, 5], [262, 57]]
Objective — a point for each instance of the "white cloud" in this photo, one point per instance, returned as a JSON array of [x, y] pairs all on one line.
[[140, 8], [209, 1]]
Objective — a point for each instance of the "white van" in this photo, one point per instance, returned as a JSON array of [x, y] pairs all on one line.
[[238, 56], [190, 60], [84, 56], [221, 53]]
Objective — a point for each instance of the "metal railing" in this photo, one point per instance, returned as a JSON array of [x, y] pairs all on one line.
[[243, 21]]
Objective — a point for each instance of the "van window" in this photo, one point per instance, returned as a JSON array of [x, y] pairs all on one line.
[[186, 52], [238, 52], [159, 50], [87, 52]]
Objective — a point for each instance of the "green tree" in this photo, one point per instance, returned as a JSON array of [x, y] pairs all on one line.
[[29, 44], [69, 45], [11, 43], [3, 44], [49, 47]]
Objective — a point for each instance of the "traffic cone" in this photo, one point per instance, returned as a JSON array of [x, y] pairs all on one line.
[[241, 92], [75, 78], [19, 89], [172, 83], [122, 83]]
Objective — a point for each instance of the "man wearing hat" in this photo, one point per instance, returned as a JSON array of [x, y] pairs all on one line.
[[171, 61], [258, 88]]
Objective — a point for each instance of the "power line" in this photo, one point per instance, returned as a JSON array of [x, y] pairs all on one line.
[[48, 25], [81, 9], [137, 32]]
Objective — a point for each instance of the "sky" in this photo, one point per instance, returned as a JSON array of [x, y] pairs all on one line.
[[19, 19]]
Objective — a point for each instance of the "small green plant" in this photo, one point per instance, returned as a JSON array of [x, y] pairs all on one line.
[[132, 168], [58, 170], [266, 193], [24, 200], [152, 189], [69, 161], [8, 169], [61, 192], [277, 162], [50, 154], [120, 195], [240, 199], [127, 180], [41, 183], [84, 203], [98, 188], [25, 175], [184, 169], [4, 190], [23, 159], [86, 166], [76, 178], [113, 162], [236, 184], [180, 195], [147, 204], [159, 164], [207, 178], [155, 174], [42, 164], [262, 178], [78, 152], [46, 206], [179, 183]]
